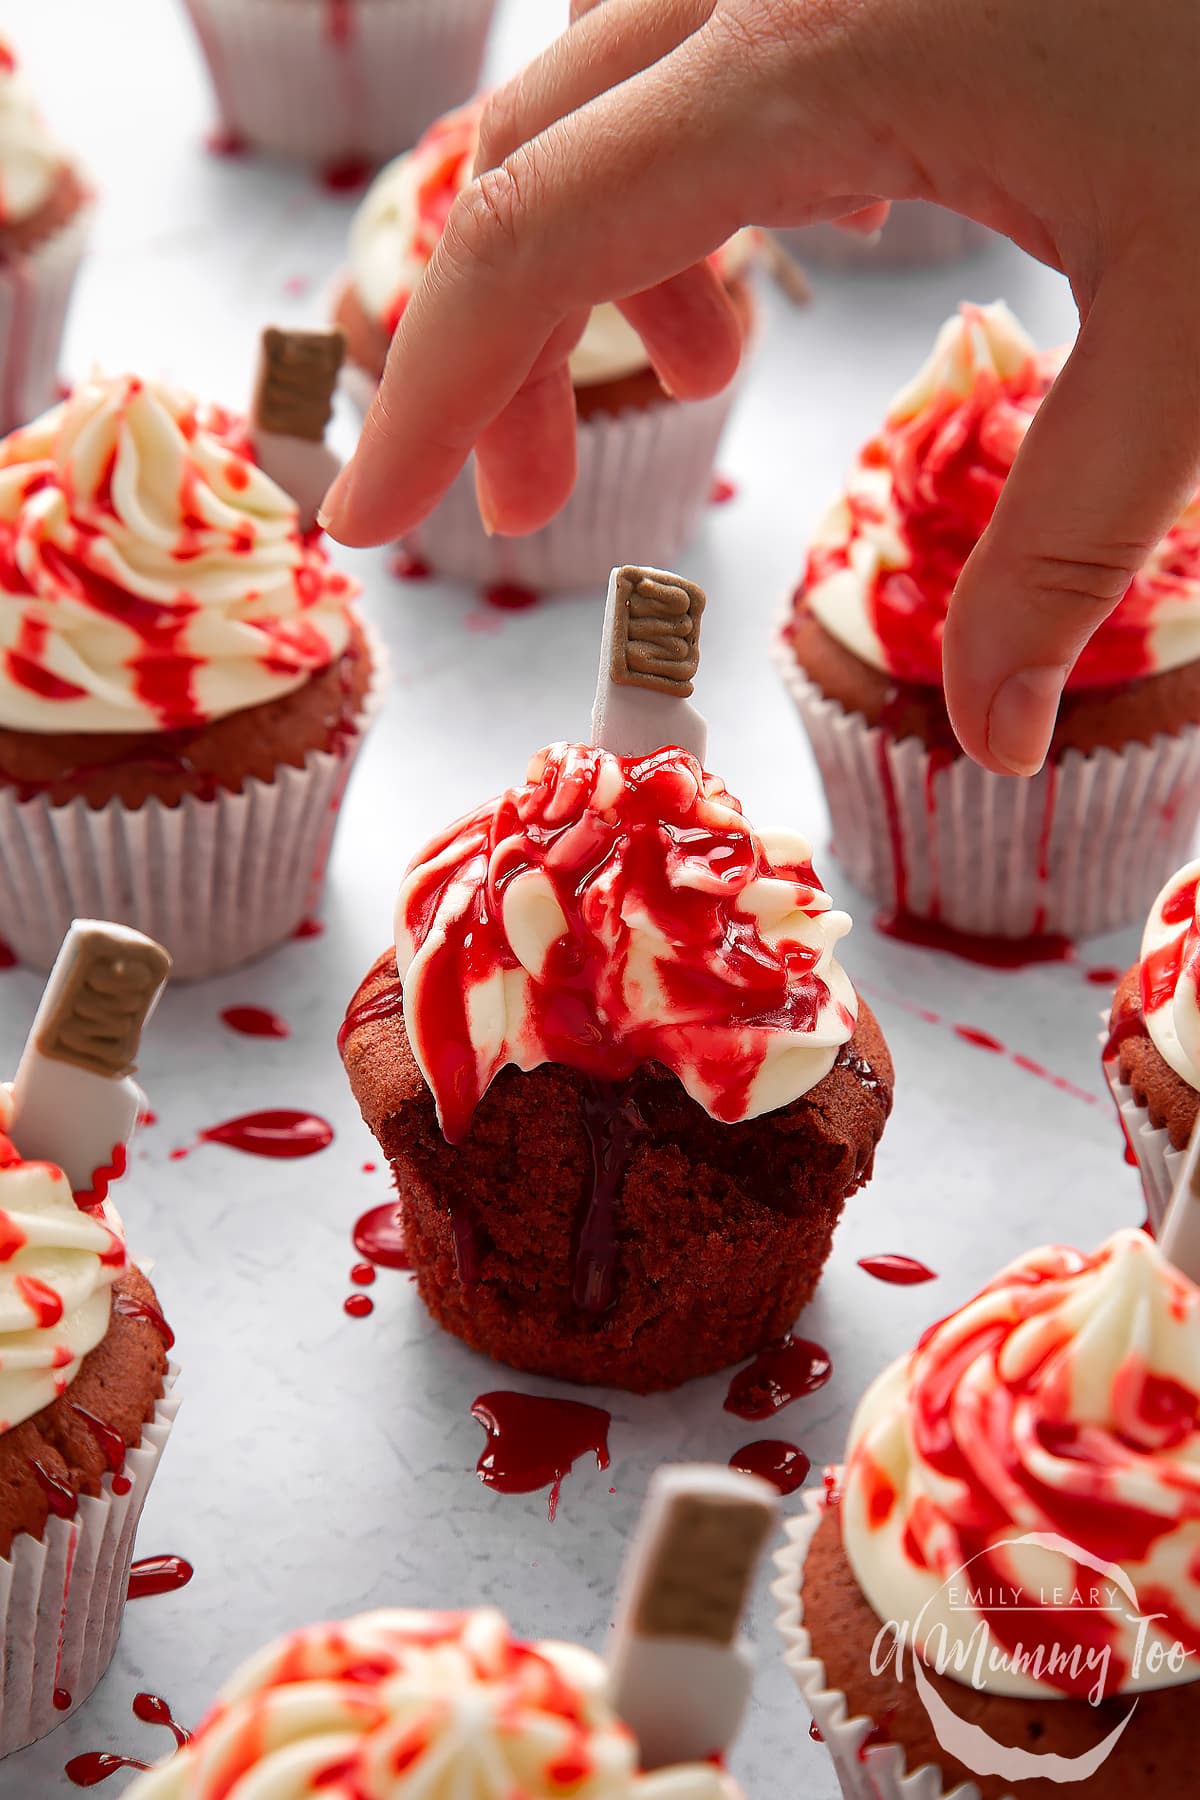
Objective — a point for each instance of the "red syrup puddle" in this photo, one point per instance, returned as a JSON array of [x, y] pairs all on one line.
[[784, 1465], [778, 1375], [981, 1040], [509, 596], [534, 1443], [406, 567], [278, 1133], [900, 1271], [156, 1575], [130, 1308], [309, 928], [359, 1306], [95, 1766], [1105, 977], [255, 1021], [614, 1126], [388, 1003], [347, 177], [224, 142], [8, 957], [379, 1237], [722, 491], [985, 952]]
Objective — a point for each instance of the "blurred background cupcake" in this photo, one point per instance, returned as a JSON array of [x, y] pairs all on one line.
[[1026, 1483], [917, 825], [1151, 1050], [645, 460], [44, 217], [184, 687], [916, 235], [341, 83]]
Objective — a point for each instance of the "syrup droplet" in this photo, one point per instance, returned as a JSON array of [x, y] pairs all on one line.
[[359, 1306], [784, 1465], [8, 956], [155, 1575], [255, 1021], [1106, 976], [62, 1700], [363, 1274], [778, 1375], [901, 1271], [534, 1442], [309, 928], [722, 491], [276, 1133], [406, 567], [815, 1733], [379, 1237], [509, 596]]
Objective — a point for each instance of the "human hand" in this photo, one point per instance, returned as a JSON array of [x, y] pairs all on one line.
[[649, 133]]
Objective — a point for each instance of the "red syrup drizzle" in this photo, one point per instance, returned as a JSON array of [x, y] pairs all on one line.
[[1105, 976], [983, 1040], [61, 1499], [110, 1440], [406, 567], [91, 1199], [614, 1125], [784, 1465], [8, 957], [95, 1766], [509, 596], [278, 1133], [155, 1575], [379, 1236], [309, 928], [129, 1308], [255, 1021], [722, 491], [535, 1443], [388, 1003], [815, 1733], [223, 141], [900, 1271], [986, 952], [778, 1375]]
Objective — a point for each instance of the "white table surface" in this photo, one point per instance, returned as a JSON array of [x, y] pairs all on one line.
[[323, 1464]]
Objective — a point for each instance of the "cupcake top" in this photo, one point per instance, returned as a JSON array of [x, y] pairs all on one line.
[[436, 1705], [1170, 974], [613, 911], [31, 158], [403, 214], [152, 577], [887, 555], [58, 1264], [1029, 1478]]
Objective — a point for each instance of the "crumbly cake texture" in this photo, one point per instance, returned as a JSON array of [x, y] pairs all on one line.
[[1171, 1101], [119, 1383], [1088, 719], [1154, 1756], [133, 767], [722, 1230]]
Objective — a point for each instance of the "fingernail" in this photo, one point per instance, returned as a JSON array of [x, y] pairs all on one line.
[[336, 497], [1021, 720]]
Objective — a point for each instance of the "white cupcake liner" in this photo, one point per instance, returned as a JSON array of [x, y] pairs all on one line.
[[1158, 1162], [917, 235], [35, 292], [1079, 849], [219, 881], [644, 482], [883, 1772], [62, 1596], [337, 80]]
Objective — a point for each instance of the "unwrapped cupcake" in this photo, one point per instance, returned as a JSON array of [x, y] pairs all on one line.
[[85, 1389], [645, 460], [184, 682], [918, 826], [44, 215], [1000, 1592], [1151, 1050], [624, 1083], [342, 83]]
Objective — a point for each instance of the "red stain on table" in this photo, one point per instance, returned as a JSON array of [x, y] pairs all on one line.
[[509, 596], [95, 1766], [900, 1271], [407, 567], [981, 1040], [278, 1133], [534, 1442], [1103, 976], [379, 1237], [722, 491], [8, 956], [778, 1375], [155, 1575], [309, 928], [986, 952], [359, 1306], [784, 1465], [255, 1021]]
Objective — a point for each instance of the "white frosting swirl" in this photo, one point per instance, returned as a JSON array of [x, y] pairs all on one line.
[[405, 1705], [1060, 1404], [30, 156], [401, 217], [57, 1268], [152, 577], [1170, 974]]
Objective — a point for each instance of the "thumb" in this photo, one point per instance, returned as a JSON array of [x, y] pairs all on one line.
[[1108, 464]]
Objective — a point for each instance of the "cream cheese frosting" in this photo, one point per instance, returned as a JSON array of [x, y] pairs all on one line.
[[152, 577], [397, 227], [614, 911], [403, 1705], [1030, 1476], [58, 1264], [1170, 974], [885, 558], [31, 158]]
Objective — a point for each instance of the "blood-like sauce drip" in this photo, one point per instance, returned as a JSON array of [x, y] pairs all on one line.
[[388, 1003], [155, 1575], [110, 1440], [815, 1733], [406, 567], [90, 1199], [309, 928], [363, 1274], [1001, 953], [42, 1301], [900, 1271], [509, 596], [129, 1308], [61, 1499], [981, 1040], [359, 1306], [95, 1766], [784, 1465], [379, 1236], [62, 1700], [278, 1133], [8, 956], [224, 142], [1103, 976], [255, 1021], [722, 491], [151, 1710], [534, 1442], [778, 1375], [615, 1126], [347, 176]]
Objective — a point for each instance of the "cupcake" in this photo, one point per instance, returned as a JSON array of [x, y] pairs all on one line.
[[1000, 1591], [184, 683], [1151, 1052], [44, 214], [920, 828], [916, 235], [645, 460], [85, 1387], [414, 1703], [621, 1078], [343, 83]]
